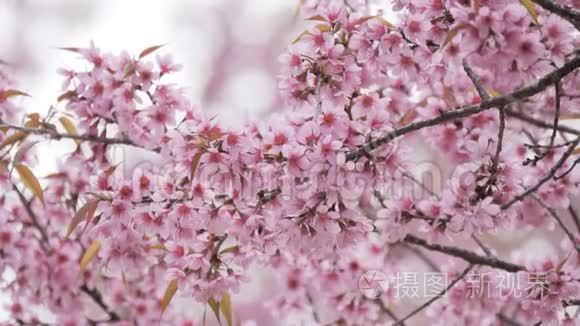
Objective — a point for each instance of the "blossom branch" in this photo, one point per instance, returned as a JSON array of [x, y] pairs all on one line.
[[484, 95], [44, 236], [564, 11], [558, 91], [539, 123], [57, 136], [551, 174], [575, 217], [466, 255], [467, 111]]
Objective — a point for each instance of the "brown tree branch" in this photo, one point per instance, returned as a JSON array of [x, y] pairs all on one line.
[[575, 217], [98, 299], [558, 91], [466, 255], [446, 116], [551, 174], [564, 11], [26, 204], [476, 81], [430, 301], [57, 136]]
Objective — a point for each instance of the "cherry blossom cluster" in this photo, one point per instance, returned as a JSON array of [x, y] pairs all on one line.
[[483, 84]]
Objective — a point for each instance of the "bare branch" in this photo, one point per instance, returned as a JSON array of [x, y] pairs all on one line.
[[422, 256], [98, 299], [574, 217], [551, 174], [539, 123], [495, 159], [484, 95], [569, 14], [311, 303], [388, 311], [466, 255], [44, 236], [476, 81], [506, 320], [429, 302], [482, 245], [570, 169], [559, 220], [420, 184], [558, 91], [56, 135]]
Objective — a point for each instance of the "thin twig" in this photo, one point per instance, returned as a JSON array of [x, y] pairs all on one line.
[[559, 220], [314, 312], [498, 148], [564, 11], [476, 81], [482, 245], [508, 321], [420, 184], [430, 301], [422, 256], [568, 171], [98, 299], [574, 217], [466, 111], [485, 96], [546, 178], [466, 255], [557, 90], [389, 312], [44, 236], [539, 123]]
